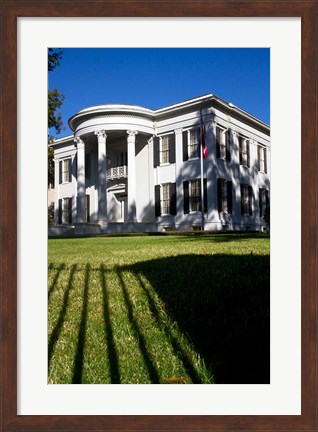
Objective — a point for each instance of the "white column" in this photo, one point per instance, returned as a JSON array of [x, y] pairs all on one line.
[[131, 175], [57, 190], [102, 181], [179, 175], [80, 218]]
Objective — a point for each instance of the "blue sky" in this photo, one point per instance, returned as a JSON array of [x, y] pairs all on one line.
[[157, 77]]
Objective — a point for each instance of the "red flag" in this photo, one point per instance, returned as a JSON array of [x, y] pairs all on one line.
[[204, 148]]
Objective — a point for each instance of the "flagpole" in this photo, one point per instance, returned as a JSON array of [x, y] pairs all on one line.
[[201, 163]]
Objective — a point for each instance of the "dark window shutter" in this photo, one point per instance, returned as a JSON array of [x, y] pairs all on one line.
[[228, 145], [60, 212], [248, 153], [156, 154], [267, 198], [185, 145], [172, 149], [60, 171], [69, 210], [70, 171], [229, 197], [219, 191], [240, 149], [205, 195], [186, 197], [75, 166], [242, 199], [218, 150], [250, 195], [259, 157], [261, 210], [173, 198], [265, 160], [157, 201]]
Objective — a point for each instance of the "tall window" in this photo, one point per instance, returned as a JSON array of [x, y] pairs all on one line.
[[244, 151], [121, 158], [246, 199], [65, 167], [223, 144], [224, 188], [194, 144], [263, 201], [165, 149], [65, 210], [262, 165], [165, 199], [195, 195], [192, 196]]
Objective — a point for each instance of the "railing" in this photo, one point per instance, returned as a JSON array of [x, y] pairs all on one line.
[[117, 172]]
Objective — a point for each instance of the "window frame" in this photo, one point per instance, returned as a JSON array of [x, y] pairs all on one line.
[[246, 142], [166, 151], [247, 196], [197, 144], [66, 175]]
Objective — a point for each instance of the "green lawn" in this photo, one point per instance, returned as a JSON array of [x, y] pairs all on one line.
[[159, 309]]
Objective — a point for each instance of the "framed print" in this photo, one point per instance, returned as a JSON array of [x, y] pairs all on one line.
[[288, 29]]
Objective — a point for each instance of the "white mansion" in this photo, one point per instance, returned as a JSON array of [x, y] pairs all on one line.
[[129, 168]]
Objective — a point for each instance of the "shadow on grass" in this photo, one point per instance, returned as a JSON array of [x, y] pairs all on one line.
[[222, 302], [152, 370], [79, 356], [110, 341], [59, 324]]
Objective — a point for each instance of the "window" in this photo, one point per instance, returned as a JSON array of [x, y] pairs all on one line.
[[192, 196], [65, 210], [223, 144], [191, 144], [246, 199], [224, 188], [244, 151], [65, 168], [195, 195], [263, 201], [165, 199], [262, 162], [121, 158], [164, 150], [194, 144]]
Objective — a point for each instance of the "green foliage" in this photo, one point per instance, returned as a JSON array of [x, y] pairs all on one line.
[[54, 57], [158, 309], [51, 214], [55, 100]]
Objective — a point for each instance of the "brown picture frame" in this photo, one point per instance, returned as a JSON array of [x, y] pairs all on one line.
[[11, 10]]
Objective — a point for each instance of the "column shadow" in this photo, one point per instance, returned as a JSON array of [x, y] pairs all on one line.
[[110, 341], [152, 371], [79, 356], [59, 324]]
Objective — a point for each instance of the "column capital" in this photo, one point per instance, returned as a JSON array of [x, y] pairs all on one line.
[[178, 131], [80, 143], [131, 133], [100, 133]]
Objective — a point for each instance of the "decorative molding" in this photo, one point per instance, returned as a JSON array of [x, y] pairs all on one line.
[[178, 131], [131, 133], [100, 133], [79, 142]]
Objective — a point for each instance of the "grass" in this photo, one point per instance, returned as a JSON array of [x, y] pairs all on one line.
[[159, 309]]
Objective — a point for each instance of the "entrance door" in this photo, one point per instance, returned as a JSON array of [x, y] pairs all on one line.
[[123, 209]]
